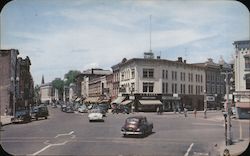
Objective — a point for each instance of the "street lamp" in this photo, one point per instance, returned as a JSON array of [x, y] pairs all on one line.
[[205, 104], [14, 81], [227, 106]]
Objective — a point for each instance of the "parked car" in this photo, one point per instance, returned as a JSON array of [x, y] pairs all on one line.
[[69, 109], [95, 115], [63, 108], [83, 109], [40, 112], [137, 125], [21, 116], [54, 105]]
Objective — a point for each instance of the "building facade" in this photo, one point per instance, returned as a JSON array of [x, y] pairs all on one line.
[[46, 92], [9, 81], [172, 84], [242, 78], [215, 83]]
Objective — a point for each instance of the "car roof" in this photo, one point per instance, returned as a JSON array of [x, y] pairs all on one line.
[[137, 117]]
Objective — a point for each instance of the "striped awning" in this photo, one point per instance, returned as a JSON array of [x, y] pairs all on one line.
[[150, 102], [118, 100], [126, 102]]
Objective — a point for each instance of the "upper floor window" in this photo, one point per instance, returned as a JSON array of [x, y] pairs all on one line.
[[148, 87], [163, 74], [247, 62], [247, 76], [148, 73], [132, 73]]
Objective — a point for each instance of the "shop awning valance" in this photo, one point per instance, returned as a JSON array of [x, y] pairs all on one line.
[[150, 102], [118, 100], [92, 99], [126, 102]]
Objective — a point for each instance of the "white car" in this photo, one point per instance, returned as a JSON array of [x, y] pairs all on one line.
[[95, 115]]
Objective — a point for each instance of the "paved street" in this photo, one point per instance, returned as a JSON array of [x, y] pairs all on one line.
[[72, 134]]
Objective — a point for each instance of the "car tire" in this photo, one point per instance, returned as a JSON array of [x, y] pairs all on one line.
[[46, 117]]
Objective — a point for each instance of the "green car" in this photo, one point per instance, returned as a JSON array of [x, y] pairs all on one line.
[[40, 112]]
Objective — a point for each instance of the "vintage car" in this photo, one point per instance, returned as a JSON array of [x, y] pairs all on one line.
[[83, 109], [40, 111], [136, 125], [95, 115], [21, 116]]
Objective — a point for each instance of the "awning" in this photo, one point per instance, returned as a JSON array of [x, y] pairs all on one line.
[[126, 102], [150, 102], [242, 104], [92, 99], [77, 99], [118, 100]]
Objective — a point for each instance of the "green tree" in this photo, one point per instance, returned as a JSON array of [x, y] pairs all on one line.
[[70, 77], [59, 85], [37, 93]]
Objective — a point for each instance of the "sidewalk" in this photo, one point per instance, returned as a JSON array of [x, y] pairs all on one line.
[[6, 120], [236, 149]]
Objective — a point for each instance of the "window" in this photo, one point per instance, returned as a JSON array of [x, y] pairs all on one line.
[[163, 87], [247, 81], [148, 73], [163, 74], [184, 76], [166, 72], [175, 75], [184, 88], [166, 91], [132, 73], [247, 63], [172, 75], [191, 77], [201, 79], [148, 87]]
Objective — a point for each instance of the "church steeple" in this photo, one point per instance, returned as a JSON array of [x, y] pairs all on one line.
[[42, 80]]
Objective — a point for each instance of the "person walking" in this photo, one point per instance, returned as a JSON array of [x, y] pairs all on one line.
[[185, 112], [195, 112], [158, 110]]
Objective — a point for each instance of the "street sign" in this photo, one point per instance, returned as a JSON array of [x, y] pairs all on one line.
[[210, 98]]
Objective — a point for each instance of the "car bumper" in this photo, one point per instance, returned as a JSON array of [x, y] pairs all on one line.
[[131, 133]]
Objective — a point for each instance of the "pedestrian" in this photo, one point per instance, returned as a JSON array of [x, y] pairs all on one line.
[[185, 112], [158, 110], [195, 112], [205, 113], [179, 110]]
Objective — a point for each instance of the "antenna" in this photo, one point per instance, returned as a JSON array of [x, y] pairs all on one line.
[[150, 50]]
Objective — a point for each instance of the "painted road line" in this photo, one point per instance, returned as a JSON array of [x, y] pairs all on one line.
[[200, 154], [189, 149], [48, 146], [64, 134]]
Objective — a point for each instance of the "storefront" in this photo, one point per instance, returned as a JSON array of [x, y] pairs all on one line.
[[171, 102], [147, 102]]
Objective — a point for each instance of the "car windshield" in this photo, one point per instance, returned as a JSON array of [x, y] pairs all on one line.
[[95, 111], [22, 112], [132, 120]]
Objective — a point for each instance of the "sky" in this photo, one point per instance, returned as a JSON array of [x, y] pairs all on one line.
[[63, 35]]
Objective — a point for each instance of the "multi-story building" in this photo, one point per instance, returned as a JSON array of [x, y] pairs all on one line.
[[242, 78], [155, 82], [9, 81], [215, 84], [84, 79], [46, 92], [26, 88], [116, 79]]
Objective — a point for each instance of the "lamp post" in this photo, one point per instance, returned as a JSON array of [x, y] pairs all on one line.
[[205, 104], [14, 81], [227, 106]]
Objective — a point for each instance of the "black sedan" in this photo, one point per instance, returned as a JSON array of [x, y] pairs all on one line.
[[137, 125]]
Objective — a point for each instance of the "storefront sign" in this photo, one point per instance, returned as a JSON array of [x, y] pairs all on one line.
[[210, 98]]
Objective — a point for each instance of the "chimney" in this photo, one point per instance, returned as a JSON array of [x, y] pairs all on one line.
[[185, 61], [179, 59], [158, 57]]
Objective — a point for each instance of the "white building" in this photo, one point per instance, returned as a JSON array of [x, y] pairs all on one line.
[[174, 83], [46, 91], [242, 78]]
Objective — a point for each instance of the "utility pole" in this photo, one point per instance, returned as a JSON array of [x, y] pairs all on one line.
[[228, 107]]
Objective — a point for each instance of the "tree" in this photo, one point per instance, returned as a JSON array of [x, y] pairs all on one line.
[[58, 84], [70, 77], [37, 93]]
